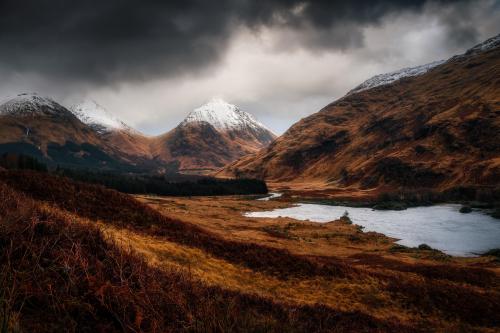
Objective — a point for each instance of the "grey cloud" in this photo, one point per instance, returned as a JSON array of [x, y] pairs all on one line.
[[104, 42]]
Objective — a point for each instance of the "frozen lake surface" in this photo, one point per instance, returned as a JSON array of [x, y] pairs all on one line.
[[442, 227]]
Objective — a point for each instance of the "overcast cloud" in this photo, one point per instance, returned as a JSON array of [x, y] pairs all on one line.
[[151, 62]]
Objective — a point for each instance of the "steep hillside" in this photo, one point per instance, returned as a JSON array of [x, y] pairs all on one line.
[[438, 128], [210, 137]]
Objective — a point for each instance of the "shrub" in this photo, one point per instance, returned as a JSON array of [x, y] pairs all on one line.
[[425, 247], [496, 213], [345, 218], [465, 209], [493, 253]]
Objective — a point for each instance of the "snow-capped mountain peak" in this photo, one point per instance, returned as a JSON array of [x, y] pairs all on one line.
[[91, 113], [222, 116], [30, 104]]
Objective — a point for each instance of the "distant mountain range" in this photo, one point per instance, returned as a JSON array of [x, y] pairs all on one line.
[[434, 126], [87, 135]]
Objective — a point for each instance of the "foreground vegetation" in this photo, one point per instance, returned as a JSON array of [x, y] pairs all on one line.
[[79, 257]]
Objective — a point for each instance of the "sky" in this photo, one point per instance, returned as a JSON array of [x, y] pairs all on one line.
[[152, 62]]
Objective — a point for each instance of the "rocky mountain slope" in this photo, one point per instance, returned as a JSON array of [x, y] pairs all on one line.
[[210, 137], [438, 129]]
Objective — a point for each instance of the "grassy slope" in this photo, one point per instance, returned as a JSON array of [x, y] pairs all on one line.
[[58, 273], [65, 248]]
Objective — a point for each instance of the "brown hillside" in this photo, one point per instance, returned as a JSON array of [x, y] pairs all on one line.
[[60, 138], [438, 130], [200, 147], [41, 130]]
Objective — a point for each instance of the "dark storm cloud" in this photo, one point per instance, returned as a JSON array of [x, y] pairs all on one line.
[[112, 40]]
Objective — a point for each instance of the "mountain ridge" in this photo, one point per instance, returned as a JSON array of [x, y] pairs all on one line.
[[390, 77]]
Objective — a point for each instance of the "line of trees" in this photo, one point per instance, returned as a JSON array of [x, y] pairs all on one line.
[[169, 185], [21, 162], [162, 185]]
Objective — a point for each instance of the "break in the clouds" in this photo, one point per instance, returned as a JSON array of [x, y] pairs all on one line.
[[150, 62]]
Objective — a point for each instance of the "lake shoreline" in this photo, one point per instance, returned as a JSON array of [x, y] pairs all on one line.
[[491, 208], [441, 226]]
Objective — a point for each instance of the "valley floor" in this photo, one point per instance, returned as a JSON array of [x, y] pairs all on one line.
[[377, 265], [85, 258]]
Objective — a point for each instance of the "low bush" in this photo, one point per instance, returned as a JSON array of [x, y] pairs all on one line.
[[493, 253], [465, 209], [425, 247]]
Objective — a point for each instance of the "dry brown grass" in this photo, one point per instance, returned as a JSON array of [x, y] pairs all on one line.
[[59, 272], [416, 286], [197, 264]]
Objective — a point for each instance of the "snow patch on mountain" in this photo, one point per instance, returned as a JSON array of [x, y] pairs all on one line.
[[488, 44], [26, 104], [223, 116], [383, 79], [97, 117]]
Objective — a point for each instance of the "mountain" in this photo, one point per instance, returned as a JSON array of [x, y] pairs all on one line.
[[30, 105], [97, 117], [133, 145], [211, 136], [436, 126], [38, 126], [87, 135]]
